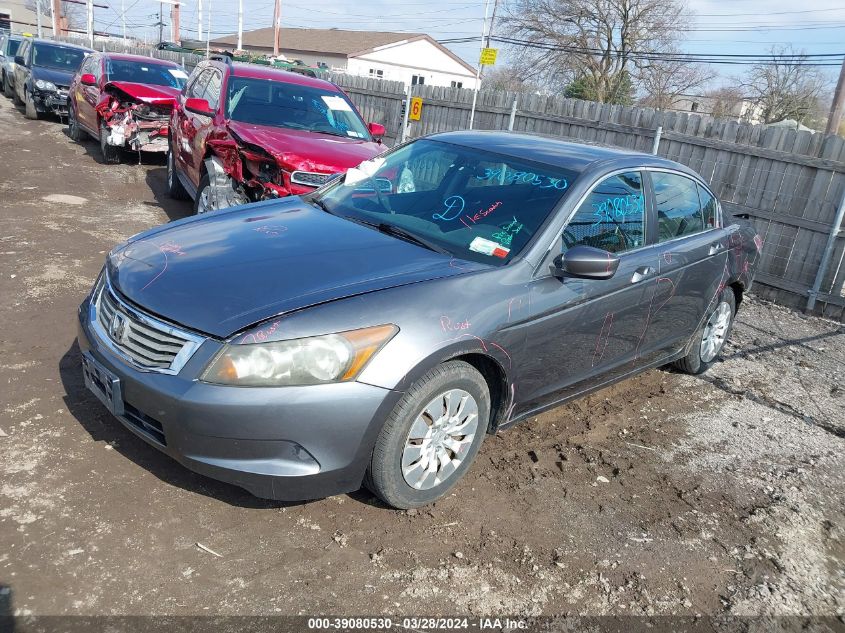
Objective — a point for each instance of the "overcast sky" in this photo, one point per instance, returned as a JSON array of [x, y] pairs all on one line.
[[738, 26]]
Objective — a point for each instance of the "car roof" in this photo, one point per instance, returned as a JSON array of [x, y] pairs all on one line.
[[257, 71], [575, 156], [36, 40], [141, 59]]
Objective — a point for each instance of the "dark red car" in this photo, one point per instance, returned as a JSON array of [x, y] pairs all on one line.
[[124, 101], [242, 133]]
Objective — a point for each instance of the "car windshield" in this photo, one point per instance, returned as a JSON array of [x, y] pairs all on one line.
[[290, 105], [145, 73], [472, 204], [12, 47], [60, 57]]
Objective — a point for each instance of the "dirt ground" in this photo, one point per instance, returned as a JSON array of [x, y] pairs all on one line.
[[667, 494]]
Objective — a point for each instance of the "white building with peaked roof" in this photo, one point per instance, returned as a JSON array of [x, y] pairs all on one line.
[[412, 58]]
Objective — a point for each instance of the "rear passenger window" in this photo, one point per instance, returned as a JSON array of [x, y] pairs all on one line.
[[612, 217], [678, 208], [710, 208]]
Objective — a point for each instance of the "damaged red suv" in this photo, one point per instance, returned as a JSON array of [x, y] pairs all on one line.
[[124, 101], [242, 133]]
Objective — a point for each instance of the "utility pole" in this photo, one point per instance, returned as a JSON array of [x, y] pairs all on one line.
[[123, 21], [240, 24], [90, 28], [199, 20], [160, 23], [38, 18], [56, 11], [208, 33], [277, 21], [175, 34], [478, 72], [838, 105]]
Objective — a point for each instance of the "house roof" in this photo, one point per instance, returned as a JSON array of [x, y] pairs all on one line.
[[330, 41]]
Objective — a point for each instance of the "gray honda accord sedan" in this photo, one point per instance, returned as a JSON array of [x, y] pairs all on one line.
[[375, 331]]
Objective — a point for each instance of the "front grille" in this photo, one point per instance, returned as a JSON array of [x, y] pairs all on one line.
[[310, 178], [146, 342]]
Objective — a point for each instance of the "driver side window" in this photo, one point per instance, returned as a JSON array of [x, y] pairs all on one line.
[[612, 217]]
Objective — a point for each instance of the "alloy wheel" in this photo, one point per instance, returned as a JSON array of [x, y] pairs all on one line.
[[439, 439], [715, 332]]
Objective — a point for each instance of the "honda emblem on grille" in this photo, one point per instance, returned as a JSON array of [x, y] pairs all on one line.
[[117, 327]]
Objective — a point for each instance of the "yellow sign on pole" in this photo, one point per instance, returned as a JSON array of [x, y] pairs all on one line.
[[416, 109], [488, 56]]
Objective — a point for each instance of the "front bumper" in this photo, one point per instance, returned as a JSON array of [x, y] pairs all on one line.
[[285, 443], [51, 102]]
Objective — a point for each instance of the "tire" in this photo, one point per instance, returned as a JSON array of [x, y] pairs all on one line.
[[29, 107], [396, 462], [75, 132], [700, 356], [111, 154], [205, 181], [174, 186], [7, 87]]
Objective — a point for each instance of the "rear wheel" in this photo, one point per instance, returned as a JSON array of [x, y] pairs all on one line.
[[174, 185], [29, 106], [431, 437], [111, 153], [708, 342]]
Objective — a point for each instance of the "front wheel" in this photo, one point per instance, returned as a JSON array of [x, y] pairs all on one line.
[[73, 130], [174, 186], [8, 92], [30, 110], [431, 437], [708, 342], [111, 153]]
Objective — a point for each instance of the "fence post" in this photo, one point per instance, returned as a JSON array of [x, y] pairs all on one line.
[[408, 89], [513, 115], [656, 145], [828, 253]]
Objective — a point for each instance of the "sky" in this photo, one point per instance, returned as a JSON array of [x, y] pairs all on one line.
[[719, 26]]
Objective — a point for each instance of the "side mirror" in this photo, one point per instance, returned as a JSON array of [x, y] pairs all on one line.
[[198, 106], [88, 80], [585, 262], [377, 131], [19, 60]]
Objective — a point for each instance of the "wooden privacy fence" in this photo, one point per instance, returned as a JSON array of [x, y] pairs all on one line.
[[789, 183]]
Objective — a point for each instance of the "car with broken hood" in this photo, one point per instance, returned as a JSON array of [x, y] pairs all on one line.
[[124, 102], [243, 133], [9, 45], [377, 329], [43, 72]]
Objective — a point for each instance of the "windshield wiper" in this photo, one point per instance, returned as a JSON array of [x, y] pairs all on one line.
[[320, 205], [329, 133], [398, 231]]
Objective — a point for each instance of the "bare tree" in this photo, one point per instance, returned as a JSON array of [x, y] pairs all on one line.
[[726, 102], [74, 13], [596, 41], [785, 88], [663, 82], [508, 78]]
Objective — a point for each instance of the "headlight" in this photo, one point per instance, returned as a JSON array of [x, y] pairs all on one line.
[[305, 361], [45, 85]]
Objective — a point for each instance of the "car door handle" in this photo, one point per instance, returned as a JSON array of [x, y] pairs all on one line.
[[641, 273], [715, 247]]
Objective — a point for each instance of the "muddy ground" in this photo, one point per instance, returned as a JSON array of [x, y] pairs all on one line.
[[667, 494]]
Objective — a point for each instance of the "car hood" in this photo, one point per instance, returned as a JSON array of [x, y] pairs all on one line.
[[146, 93], [308, 151], [221, 273], [58, 77]]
